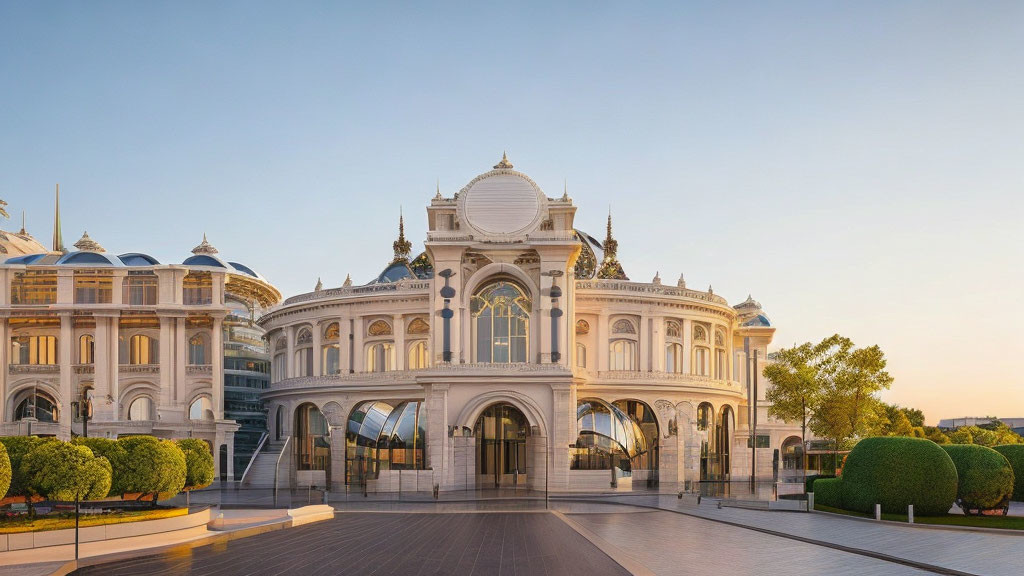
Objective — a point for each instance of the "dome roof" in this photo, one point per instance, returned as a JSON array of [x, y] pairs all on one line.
[[205, 260], [88, 258], [138, 259], [751, 313], [19, 244], [502, 202]]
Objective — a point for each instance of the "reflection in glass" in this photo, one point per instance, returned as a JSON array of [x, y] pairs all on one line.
[[38, 405], [621, 435], [312, 438], [501, 432], [380, 436]]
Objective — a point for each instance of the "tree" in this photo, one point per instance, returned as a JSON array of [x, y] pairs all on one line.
[[5, 471], [198, 463], [17, 448], [115, 453], [65, 471], [935, 435], [794, 391], [153, 467]]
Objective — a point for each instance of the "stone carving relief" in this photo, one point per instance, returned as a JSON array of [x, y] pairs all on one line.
[[379, 328]]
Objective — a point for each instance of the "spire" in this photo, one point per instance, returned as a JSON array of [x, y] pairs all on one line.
[[402, 246], [610, 268], [348, 280], [204, 248], [319, 285], [23, 232], [438, 195], [565, 189], [504, 162], [682, 281], [86, 244], [58, 240]]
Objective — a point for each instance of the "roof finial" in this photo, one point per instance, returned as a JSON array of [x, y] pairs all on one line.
[[565, 189], [438, 195], [348, 281], [610, 268], [402, 246], [657, 279], [319, 285], [504, 164], [710, 289], [86, 244], [23, 232], [204, 248], [682, 281], [58, 240]]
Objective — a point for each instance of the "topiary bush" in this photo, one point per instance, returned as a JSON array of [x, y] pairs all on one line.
[[17, 448], [153, 466], [198, 463], [896, 472], [984, 478], [1014, 453], [115, 453], [809, 484], [5, 471], [63, 471], [828, 492]]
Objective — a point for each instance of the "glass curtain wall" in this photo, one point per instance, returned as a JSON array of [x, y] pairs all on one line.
[[381, 436]]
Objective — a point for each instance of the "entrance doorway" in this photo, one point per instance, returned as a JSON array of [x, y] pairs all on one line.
[[501, 455]]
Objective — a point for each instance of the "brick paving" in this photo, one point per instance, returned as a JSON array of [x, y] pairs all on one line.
[[392, 543]]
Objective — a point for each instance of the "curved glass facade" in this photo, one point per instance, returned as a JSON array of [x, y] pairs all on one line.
[[380, 436], [623, 435]]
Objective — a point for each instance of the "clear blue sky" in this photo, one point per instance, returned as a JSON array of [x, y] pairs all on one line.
[[857, 167]]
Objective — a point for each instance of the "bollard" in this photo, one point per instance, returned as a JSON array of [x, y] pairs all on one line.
[[878, 511], [910, 514], [810, 501]]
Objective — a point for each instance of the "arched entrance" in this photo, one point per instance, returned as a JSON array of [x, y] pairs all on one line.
[[312, 446], [501, 454], [792, 453]]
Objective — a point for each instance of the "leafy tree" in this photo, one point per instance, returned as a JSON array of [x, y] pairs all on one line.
[[198, 463], [17, 448], [5, 471], [153, 467], [936, 435], [915, 416], [962, 435], [64, 471], [795, 389], [115, 453]]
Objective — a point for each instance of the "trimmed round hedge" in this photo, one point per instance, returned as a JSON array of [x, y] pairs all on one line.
[[1014, 453], [828, 492], [896, 472], [5, 471], [985, 479]]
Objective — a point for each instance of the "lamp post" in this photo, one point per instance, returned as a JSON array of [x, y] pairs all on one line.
[[447, 292], [556, 313]]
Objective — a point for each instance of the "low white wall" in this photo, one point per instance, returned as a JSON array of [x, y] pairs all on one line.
[[26, 540]]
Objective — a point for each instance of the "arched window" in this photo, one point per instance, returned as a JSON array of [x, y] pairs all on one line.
[[330, 351], [379, 328], [700, 361], [672, 330], [418, 326], [705, 425], [304, 353], [86, 349], [280, 367], [623, 355], [384, 437], [674, 358], [279, 424], [197, 350], [418, 357], [34, 350], [581, 355], [143, 350], [201, 409], [38, 405], [501, 323], [380, 357], [312, 438], [141, 409], [720, 367]]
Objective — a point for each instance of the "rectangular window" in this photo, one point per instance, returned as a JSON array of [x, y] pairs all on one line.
[[34, 287], [93, 287], [35, 350], [197, 289], [140, 289]]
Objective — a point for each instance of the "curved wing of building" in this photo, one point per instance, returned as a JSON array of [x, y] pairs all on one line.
[[514, 352]]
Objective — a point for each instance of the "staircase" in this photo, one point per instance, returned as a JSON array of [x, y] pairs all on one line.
[[261, 473]]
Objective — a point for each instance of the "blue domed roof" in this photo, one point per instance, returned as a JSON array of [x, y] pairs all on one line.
[[138, 259], [759, 320], [26, 259], [84, 258], [205, 260], [393, 273], [244, 269]]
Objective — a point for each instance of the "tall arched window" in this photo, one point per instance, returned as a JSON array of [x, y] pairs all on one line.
[[39, 405], [674, 358], [501, 323], [581, 355], [418, 357], [34, 350], [304, 353], [197, 350], [705, 426], [623, 355], [380, 357], [86, 349], [201, 409], [141, 409], [721, 367], [143, 350], [330, 351], [700, 361]]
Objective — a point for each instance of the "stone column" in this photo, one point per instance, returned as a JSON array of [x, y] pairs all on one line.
[[229, 439], [114, 361], [644, 334], [687, 347], [166, 362], [338, 458], [358, 355], [601, 345], [562, 434], [318, 356], [658, 345], [437, 432], [398, 325], [344, 343], [5, 362], [217, 368], [67, 370], [289, 333], [180, 360]]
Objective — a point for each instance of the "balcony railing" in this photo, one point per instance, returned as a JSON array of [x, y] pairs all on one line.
[[669, 378]]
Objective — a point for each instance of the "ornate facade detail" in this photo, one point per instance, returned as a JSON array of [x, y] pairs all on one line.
[[204, 247], [672, 330], [623, 326], [700, 334], [305, 337], [379, 328], [504, 164], [402, 247], [86, 244], [586, 264], [610, 267], [582, 327], [418, 326]]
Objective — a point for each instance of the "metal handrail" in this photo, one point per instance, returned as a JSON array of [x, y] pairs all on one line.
[[259, 446], [278, 467]]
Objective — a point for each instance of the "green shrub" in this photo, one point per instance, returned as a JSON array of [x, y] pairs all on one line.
[[17, 447], [809, 484], [64, 471], [198, 463], [896, 472], [1014, 453], [984, 477], [828, 492], [153, 466], [115, 453], [5, 471]]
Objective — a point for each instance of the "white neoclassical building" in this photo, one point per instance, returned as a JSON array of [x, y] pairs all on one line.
[[514, 352], [140, 341]]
